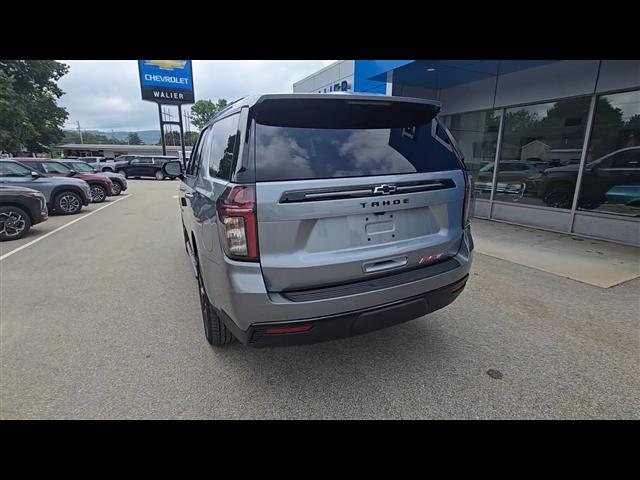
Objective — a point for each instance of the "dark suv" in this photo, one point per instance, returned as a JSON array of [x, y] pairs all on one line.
[[20, 209], [146, 167], [310, 217]]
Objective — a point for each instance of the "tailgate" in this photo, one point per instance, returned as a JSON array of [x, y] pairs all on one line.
[[329, 240], [348, 189]]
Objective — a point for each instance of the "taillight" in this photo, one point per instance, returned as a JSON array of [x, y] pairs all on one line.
[[466, 208], [237, 222]]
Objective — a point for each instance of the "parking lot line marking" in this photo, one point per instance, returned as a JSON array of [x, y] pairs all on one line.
[[6, 255]]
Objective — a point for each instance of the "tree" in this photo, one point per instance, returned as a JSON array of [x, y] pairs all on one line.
[[190, 138], [203, 110], [173, 138], [72, 136], [29, 115], [134, 139]]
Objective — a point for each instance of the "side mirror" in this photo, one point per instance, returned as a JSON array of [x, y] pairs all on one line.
[[35, 174], [173, 169]]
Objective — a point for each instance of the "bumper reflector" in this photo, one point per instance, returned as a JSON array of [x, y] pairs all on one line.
[[296, 329]]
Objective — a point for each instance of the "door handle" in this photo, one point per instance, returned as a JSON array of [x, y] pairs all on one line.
[[189, 195], [384, 264]]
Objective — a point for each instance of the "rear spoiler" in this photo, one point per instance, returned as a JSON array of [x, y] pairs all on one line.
[[343, 111]]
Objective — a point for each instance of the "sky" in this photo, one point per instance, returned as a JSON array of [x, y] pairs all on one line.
[[105, 95]]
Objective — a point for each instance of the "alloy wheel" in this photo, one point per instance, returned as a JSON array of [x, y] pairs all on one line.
[[12, 223], [69, 203]]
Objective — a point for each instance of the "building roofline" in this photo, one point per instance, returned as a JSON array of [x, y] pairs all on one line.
[[320, 71], [102, 146]]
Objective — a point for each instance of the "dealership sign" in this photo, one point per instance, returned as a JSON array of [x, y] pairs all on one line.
[[166, 81]]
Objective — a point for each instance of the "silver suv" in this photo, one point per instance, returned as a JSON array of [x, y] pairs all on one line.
[[310, 217]]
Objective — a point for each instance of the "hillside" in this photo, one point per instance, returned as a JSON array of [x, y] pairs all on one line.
[[148, 137]]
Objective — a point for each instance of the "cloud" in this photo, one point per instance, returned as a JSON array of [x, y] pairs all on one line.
[[105, 94]]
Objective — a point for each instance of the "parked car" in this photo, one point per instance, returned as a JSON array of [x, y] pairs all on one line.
[[146, 166], [628, 195], [615, 169], [314, 217], [514, 177], [101, 186], [20, 209], [64, 195], [119, 182], [101, 164]]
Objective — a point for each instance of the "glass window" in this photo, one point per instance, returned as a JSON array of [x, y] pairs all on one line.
[[477, 136], [204, 149], [10, 169], [54, 167], [540, 153], [80, 167], [611, 177], [223, 147], [194, 160], [292, 153]]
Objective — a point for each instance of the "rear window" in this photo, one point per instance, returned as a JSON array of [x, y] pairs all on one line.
[[335, 146]]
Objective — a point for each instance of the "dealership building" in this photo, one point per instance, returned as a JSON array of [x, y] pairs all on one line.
[[115, 150], [552, 144]]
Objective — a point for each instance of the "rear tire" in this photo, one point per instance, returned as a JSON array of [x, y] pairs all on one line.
[[215, 331], [67, 203], [14, 223]]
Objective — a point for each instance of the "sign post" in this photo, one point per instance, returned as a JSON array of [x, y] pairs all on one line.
[[167, 82]]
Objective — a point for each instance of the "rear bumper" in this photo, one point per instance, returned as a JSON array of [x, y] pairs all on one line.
[[347, 324], [239, 293]]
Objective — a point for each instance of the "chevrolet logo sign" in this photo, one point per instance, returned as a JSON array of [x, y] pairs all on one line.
[[166, 64]]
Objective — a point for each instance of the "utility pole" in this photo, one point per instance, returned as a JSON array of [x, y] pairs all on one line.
[[80, 132]]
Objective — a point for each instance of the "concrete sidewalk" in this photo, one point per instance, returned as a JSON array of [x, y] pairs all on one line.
[[599, 263]]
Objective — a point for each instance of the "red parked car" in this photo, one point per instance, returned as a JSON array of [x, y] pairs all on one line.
[[101, 186]]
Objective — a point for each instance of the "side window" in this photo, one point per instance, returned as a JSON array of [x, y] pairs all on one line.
[[627, 159], [197, 156], [223, 147], [195, 153]]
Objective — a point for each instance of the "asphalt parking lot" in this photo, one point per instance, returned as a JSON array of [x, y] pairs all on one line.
[[101, 320]]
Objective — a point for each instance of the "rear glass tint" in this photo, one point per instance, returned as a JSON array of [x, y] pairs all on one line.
[[293, 153]]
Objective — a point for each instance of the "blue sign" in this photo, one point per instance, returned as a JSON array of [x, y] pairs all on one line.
[[166, 81]]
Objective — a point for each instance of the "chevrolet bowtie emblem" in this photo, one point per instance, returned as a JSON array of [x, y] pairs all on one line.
[[384, 189], [166, 64]]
